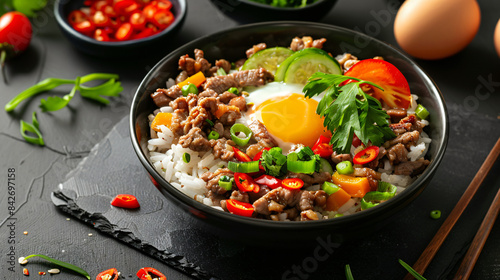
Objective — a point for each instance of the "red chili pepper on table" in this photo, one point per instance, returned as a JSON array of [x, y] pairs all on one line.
[[245, 183], [259, 155], [125, 201], [239, 208], [110, 274], [367, 155], [148, 273], [323, 147], [268, 180], [292, 183]]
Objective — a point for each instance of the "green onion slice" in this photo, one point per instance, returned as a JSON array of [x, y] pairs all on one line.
[[384, 192], [189, 88], [421, 112], [66, 265], [435, 214], [306, 167], [240, 128], [244, 167], [329, 187], [33, 128], [226, 182], [345, 167], [411, 270], [213, 135], [211, 123], [186, 157], [234, 90], [221, 72]]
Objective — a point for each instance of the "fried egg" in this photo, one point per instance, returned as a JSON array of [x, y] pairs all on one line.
[[286, 113]]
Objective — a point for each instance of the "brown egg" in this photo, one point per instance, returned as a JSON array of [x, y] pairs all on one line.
[[496, 38], [435, 29]]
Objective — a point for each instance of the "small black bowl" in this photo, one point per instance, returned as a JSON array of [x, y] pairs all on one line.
[[231, 44], [62, 8], [250, 11]]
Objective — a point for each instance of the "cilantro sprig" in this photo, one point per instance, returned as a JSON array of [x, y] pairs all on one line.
[[347, 109]]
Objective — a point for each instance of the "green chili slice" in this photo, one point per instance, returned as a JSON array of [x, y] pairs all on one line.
[[421, 112], [306, 167], [329, 187], [189, 88], [240, 128], [213, 135], [244, 167], [226, 182], [384, 192], [345, 167]]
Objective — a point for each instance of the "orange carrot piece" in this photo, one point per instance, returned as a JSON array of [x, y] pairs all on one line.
[[354, 186], [222, 109], [161, 119], [337, 199], [196, 79]]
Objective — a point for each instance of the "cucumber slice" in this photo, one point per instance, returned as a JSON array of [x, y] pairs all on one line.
[[304, 66], [280, 73], [269, 59]]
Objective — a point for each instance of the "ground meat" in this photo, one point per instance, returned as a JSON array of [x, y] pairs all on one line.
[[212, 180], [195, 140], [179, 103], [308, 215], [239, 196], [306, 42], [310, 199], [276, 200], [251, 51], [221, 149], [336, 158], [397, 153], [239, 63], [207, 93], [375, 163], [396, 114], [407, 138], [239, 102], [253, 77], [226, 96], [253, 150], [181, 77], [411, 168], [261, 134], [192, 66], [262, 191], [223, 131], [178, 118], [209, 103], [197, 118], [291, 213], [315, 178], [230, 116], [162, 97], [224, 64], [372, 176], [404, 125]]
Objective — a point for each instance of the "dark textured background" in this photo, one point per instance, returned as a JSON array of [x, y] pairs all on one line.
[[71, 133]]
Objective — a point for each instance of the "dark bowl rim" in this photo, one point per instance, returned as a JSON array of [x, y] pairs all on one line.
[[62, 22], [410, 191], [285, 9]]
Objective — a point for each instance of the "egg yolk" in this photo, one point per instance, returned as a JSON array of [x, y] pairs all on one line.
[[292, 119]]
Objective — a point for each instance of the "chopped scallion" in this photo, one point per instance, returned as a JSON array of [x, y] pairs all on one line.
[[186, 157], [345, 167], [421, 112], [213, 135], [221, 72], [234, 90], [244, 167], [226, 182], [240, 128], [211, 123], [329, 187], [306, 167], [189, 88], [435, 214]]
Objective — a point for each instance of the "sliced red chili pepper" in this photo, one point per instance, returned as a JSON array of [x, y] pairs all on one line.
[[125, 7], [124, 32], [240, 155], [292, 183], [85, 27], [144, 33], [162, 19], [97, 5], [110, 274], [245, 183], [164, 5], [138, 21], [259, 155], [356, 141], [268, 180], [239, 208], [148, 273], [150, 10], [323, 147], [76, 16], [101, 35], [367, 155], [100, 19], [108, 10], [125, 201]]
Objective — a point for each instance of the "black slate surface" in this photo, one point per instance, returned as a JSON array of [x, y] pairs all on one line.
[[159, 229]]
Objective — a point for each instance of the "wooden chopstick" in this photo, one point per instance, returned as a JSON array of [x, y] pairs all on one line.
[[477, 245], [430, 251]]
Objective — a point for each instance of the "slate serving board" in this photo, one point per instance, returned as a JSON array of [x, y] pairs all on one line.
[[176, 238]]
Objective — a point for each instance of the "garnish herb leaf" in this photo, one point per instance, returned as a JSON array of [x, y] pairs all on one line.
[[109, 88], [411, 270], [348, 110], [29, 7], [54, 103], [33, 128], [66, 265], [348, 273], [274, 162]]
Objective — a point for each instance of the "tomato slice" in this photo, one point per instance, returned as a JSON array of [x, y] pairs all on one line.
[[292, 183], [268, 180], [245, 183], [110, 274], [239, 208], [163, 18], [396, 93], [125, 201], [367, 155], [240, 155], [124, 32], [148, 273]]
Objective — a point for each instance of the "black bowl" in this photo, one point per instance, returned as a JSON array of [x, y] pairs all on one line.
[[62, 8], [231, 44], [249, 11]]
